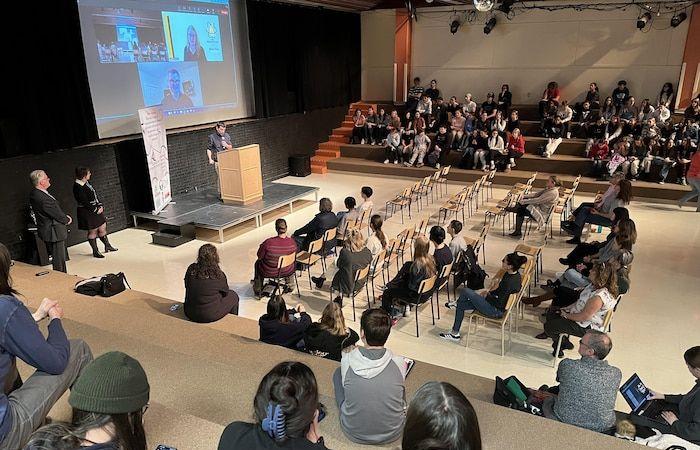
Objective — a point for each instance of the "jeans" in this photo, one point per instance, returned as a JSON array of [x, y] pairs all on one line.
[[29, 405], [695, 192], [585, 217], [338, 388], [470, 300], [556, 325]]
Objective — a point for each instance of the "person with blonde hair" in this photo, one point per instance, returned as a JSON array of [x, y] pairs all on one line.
[[353, 257], [329, 336], [406, 283]]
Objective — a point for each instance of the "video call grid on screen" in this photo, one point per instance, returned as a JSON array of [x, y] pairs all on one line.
[[176, 54]]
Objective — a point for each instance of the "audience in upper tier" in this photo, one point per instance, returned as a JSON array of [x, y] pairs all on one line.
[[25, 404], [208, 297], [369, 385], [109, 400], [282, 326]]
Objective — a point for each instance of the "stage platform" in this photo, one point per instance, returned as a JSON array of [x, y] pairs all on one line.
[[203, 209]]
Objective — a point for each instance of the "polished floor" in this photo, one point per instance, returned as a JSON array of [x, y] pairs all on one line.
[[656, 322]]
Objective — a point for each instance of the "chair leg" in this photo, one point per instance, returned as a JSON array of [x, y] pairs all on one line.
[[369, 306], [417, 335], [308, 271], [432, 311], [556, 352], [297, 283], [354, 318]]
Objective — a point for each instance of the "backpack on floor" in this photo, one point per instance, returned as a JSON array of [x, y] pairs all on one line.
[[469, 271], [513, 394], [105, 286]]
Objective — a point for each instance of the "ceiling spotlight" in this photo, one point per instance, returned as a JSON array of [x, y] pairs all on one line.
[[506, 6], [678, 19], [484, 5], [643, 20], [454, 26], [489, 25]]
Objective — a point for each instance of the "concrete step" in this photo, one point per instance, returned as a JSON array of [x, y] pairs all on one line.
[[572, 147]]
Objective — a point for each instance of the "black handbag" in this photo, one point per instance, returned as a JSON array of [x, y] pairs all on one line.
[[503, 396], [105, 286]]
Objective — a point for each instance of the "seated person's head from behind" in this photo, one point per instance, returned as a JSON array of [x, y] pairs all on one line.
[[286, 403], [332, 319], [625, 234], [277, 309], [366, 192], [604, 275], [595, 344], [208, 263], [350, 203], [512, 262], [281, 227], [422, 260], [325, 205], [620, 213], [440, 417], [454, 228], [108, 402], [5, 264], [437, 235], [354, 241], [375, 326]]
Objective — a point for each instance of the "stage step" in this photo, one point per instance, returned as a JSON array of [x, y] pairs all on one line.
[[348, 123], [329, 145], [315, 168], [169, 239], [339, 138], [343, 131], [329, 153]]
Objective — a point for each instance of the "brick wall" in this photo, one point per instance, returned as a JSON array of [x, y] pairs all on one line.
[[279, 137]]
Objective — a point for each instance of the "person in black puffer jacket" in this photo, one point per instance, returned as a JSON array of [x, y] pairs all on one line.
[[329, 336]]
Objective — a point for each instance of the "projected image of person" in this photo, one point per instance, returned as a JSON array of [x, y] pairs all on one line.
[[174, 98], [193, 51]]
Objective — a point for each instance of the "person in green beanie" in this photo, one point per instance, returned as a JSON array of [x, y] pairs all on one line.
[[108, 400]]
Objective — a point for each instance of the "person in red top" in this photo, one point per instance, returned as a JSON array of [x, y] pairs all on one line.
[[516, 148], [598, 153], [268, 254], [551, 93], [693, 181]]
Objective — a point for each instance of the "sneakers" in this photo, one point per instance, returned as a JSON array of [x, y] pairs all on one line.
[[437, 166], [407, 164], [419, 165], [450, 337], [564, 261], [662, 182], [362, 142], [407, 311], [386, 161], [396, 162], [318, 281], [450, 305]]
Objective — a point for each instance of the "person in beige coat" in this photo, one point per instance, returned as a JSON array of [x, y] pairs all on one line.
[[536, 205]]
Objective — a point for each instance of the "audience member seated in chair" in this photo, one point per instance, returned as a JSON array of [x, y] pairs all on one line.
[[208, 297], [24, 405], [601, 215], [442, 254], [109, 400], [269, 253], [588, 312], [369, 385], [324, 220], [457, 244], [346, 217], [587, 386], [329, 336], [406, 283], [489, 303], [280, 326], [686, 423], [286, 412], [536, 206], [353, 257], [377, 240], [367, 204], [441, 417]]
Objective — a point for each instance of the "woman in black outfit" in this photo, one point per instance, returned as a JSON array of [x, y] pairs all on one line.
[[207, 295], [329, 336], [90, 212], [505, 99], [282, 326]]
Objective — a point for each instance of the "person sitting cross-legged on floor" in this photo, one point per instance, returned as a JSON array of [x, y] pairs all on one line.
[[536, 205], [329, 336], [208, 297], [369, 385], [489, 303], [282, 326], [587, 386], [286, 412], [269, 253], [109, 400]]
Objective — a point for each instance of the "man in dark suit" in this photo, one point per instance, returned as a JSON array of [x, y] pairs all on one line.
[[51, 221], [324, 220]]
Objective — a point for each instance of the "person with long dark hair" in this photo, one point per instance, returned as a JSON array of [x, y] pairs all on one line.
[[91, 217], [584, 249], [286, 411], [208, 297], [505, 99], [666, 96], [109, 400], [24, 405], [282, 326], [376, 242], [441, 417]]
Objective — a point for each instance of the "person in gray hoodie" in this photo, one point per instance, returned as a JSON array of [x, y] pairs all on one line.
[[369, 385]]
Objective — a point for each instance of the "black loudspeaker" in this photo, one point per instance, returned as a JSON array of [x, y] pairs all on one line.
[[300, 165]]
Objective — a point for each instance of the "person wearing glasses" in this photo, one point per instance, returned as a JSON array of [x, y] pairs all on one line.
[[109, 400]]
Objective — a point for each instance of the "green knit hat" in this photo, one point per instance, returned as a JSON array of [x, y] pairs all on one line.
[[114, 383]]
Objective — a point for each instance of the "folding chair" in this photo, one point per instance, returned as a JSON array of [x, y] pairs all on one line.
[[606, 324], [309, 258], [329, 237], [444, 281], [377, 265], [479, 244], [501, 322], [442, 179], [425, 286], [360, 277], [282, 262], [400, 201], [453, 206]]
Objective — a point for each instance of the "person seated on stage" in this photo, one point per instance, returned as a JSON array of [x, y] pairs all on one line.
[[286, 413], [620, 95], [496, 149], [353, 257], [359, 129], [208, 297], [491, 303], [565, 113], [602, 215], [366, 193], [440, 148], [419, 148], [480, 149], [394, 147], [457, 244], [425, 106], [587, 249], [551, 94], [371, 122], [324, 220], [587, 312], [282, 326], [269, 253], [415, 93], [24, 405], [515, 148], [406, 283], [598, 153], [513, 121], [369, 385], [380, 131], [329, 336], [536, 206], [554, 137], [587, 386], [440, 417], [440, 112], [686, 422], [469, 106], [108, 403], [456, 130], [346, 217], [433, 92]]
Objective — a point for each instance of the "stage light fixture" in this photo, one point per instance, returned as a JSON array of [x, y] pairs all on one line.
[[489, 25], [678, 19], [484, 5], [643, 20], [506, 6]]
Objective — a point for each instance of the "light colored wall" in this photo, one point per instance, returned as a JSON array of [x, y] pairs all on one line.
[[378, 54], [570, 47]]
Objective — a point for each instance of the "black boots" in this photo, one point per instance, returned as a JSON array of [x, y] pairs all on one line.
[[108, 246], [95, 251]]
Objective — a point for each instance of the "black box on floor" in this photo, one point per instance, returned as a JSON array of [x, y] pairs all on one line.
[[300, 165]]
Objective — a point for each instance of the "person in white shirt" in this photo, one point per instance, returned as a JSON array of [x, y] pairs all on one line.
[[377, 240], [420, 147], [367, 204], [496, 148], [394, 147], [469, 105], [425, 106], [457, 244], [565, 113], [662, 114]]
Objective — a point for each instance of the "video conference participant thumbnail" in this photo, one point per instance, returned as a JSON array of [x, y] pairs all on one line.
[[192, 37], [172, 85]]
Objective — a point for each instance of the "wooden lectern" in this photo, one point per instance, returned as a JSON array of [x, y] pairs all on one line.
[[240, 176]]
